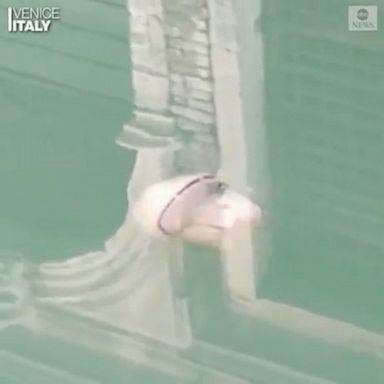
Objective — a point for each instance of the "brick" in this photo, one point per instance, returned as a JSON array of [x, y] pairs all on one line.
[[200, 37], [199, 84], [179, 100], [173, 31], [175, 9], [206, 137], [178, 89], [185, 3], [188, 56], [201, 105], [153, 123], [200, 95], [193, 114], [189, 45], [151, 91], [200, 24], [193, 126], [190, 70], [149, 54], [177, 79]]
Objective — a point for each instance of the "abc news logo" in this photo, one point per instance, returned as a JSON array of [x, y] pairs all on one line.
[[362, 18]]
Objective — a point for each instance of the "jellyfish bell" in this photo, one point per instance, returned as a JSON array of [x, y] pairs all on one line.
[[196, 208]]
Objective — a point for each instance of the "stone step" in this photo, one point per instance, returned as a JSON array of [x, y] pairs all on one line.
[[148, 130]]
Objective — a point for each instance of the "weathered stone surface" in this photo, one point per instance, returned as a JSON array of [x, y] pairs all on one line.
[[189, 70], [181, 56], [188, 95], [178, 89], [200, 37], [198, 157], [180, 86], [202, 61], [175, 78], [147, 36], [151, 7], [193, 114], [189, 46], [223, 25], [176, 9], [185, 25], [173, 31], [205, 137], [186, 57], [199, 84], [193, 126], [185, 4], [179, 100], [200, 95], [134, 137], [153, 123], [151, 91], [187, 66], [201, 105], [200, 24]]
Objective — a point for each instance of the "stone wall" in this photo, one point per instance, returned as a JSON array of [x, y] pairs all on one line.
[[188, 53], [172, 79]]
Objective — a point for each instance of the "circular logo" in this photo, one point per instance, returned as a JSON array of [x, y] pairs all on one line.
[[362, 14]]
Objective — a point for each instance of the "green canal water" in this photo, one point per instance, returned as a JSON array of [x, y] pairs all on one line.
[[62, 104]]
